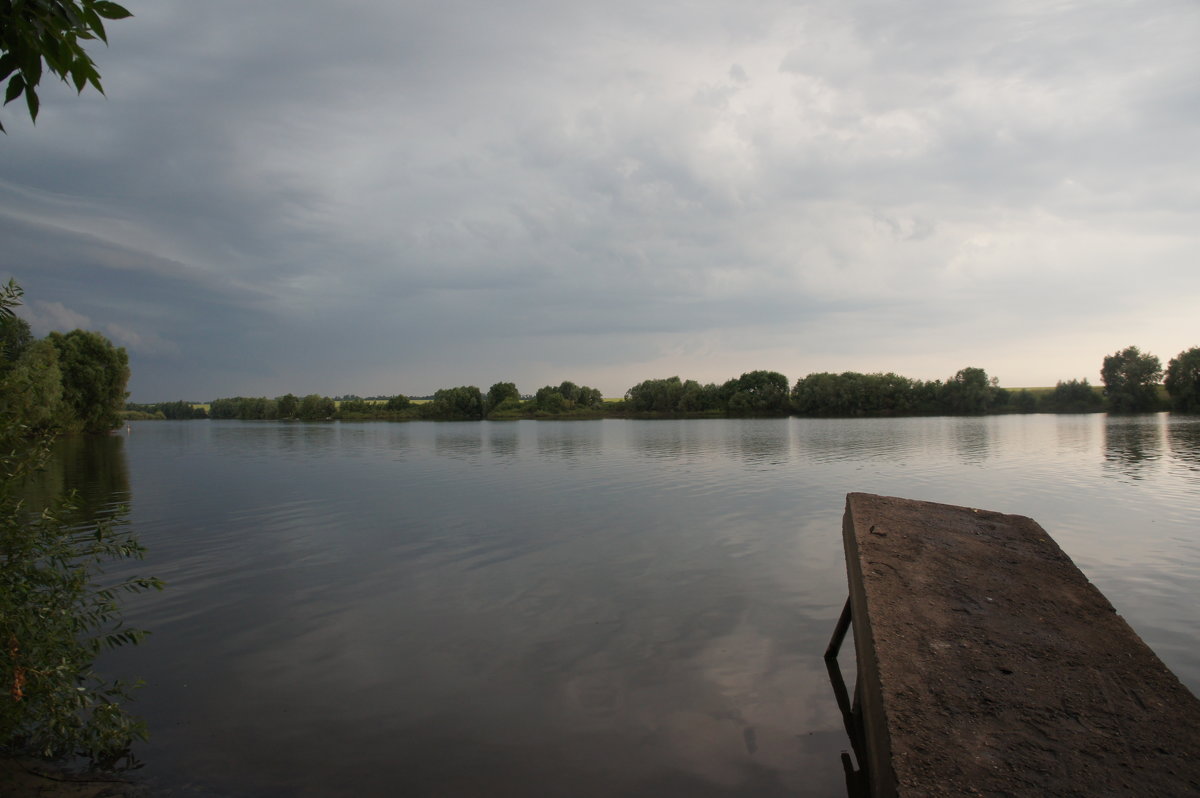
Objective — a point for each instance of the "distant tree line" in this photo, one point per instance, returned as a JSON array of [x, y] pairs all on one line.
[[164, 410], [851, 394], [464, 402], [1130, 383]]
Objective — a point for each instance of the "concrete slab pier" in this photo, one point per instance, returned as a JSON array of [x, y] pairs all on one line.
[[988, 665]]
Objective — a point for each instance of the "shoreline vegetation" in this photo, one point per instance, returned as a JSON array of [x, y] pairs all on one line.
[[59, 706], [58, 609], [1131, 384]]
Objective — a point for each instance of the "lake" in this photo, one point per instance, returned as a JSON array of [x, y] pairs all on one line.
[[588, 608]]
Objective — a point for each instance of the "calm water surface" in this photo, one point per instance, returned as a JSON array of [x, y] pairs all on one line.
[[633, 608]]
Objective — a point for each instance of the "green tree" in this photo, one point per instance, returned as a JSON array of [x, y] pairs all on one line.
[[549, 399], [463, 402], [55, 614], [814, 394], [55, 618], [94, 375], [31, 390], [14, 337], [1183, 381], [245, 408], [355, 407], [315, 407], [969, 391], [566, 397], [854, 394], [671, 396], [50, 32], [14, 331], [287, 406], [179, 410], [1024, 401], [590, 397], [398, 402], [758, 393], [500, 393], [697, 398], [1073, 396], [569, 391], [258, 408], [224, 408], [655, 396], [1130, 379]]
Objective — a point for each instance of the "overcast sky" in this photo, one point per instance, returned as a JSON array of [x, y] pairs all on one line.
[[376, 197]]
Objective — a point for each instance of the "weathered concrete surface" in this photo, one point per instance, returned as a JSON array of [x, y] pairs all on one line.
[[990, 666]]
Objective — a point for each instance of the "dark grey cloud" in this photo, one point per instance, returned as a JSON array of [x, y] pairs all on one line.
[[380, 197]]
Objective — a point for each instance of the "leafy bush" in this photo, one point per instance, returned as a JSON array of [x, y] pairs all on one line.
[[55, 618], [56, 613], [1183, 381], [1073, 396], [1130, 380]]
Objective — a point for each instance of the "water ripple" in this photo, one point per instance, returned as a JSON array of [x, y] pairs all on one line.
[[410, 599]]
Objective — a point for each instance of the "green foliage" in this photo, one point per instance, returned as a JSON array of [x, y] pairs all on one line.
[[700, 399], [569, 392], [1130, 379], [224, 408], [464, 403], [287, 406], [581, 395], [31, 390], [655, 396], [179, 410], [30, 378], [589, 397], [134, 414], [821, 394], [549, 399], [55, 618], [315, 407], [853, 394], [757, 393], [94, 375], [500, 393], [56, 614], [10, 297], [14, 337], [396, 408], [675, 397], [245, 408], [968, 391], [398, 402], [1073, 396], [50, 32], [73, 381], [566, 398], [355, 407], [1183, 381], [1024, 401], [14, 332]]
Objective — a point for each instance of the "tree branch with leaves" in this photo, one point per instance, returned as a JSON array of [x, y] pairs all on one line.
[[48, 35]]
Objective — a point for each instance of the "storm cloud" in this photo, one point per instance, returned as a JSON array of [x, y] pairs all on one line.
[[377, 197]]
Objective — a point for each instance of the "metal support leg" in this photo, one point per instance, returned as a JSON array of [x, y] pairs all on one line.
[[857, 782], [839, 632]]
